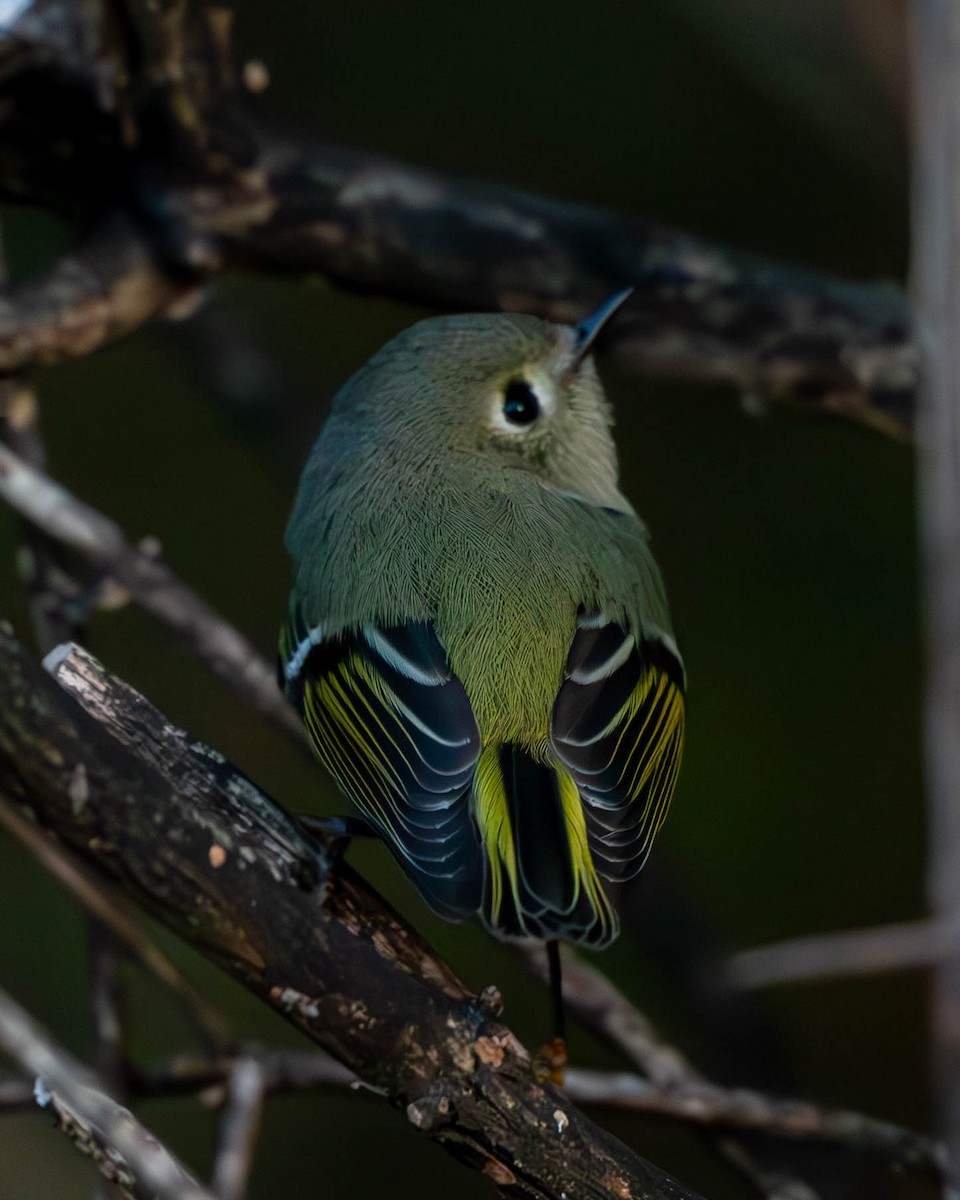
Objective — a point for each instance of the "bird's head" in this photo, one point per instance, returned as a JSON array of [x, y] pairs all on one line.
[[506, 390]]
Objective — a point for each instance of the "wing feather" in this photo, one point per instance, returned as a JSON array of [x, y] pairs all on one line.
[[617, 726], [394, 727]]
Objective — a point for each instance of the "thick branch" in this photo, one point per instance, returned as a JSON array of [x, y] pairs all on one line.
[[178, 153], [185, 834], [699, 310]]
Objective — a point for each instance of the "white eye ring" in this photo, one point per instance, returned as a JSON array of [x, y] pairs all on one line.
[[521, 403]]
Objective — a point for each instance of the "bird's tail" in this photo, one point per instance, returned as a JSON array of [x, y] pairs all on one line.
[[540, 880]]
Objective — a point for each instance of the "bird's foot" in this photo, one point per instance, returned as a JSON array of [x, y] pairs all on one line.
[[550, 1061], [336, 832]]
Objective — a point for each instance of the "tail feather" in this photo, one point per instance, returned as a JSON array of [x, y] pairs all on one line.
[[540, 880]]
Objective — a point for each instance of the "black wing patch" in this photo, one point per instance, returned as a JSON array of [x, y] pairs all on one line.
[[394, 727], [618, 728]]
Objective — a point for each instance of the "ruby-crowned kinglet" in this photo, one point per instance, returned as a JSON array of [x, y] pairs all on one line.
[[478, 637]]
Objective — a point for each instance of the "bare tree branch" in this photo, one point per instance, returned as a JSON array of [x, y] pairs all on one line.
[[148, 580], [123, 1150], [240, 881], [246, 1086], [603, 1008], [693, 1102], [104, 906], [708, 1104], [698, 310], [936, 277], [109, 285], [849, 952], [205, 188]]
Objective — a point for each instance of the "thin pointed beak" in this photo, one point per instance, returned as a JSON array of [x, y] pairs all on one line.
[[586, 332]]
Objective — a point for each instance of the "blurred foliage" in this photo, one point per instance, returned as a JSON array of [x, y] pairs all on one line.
[[787, 543]]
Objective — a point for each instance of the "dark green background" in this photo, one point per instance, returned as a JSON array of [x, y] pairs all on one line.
[[786, 541]]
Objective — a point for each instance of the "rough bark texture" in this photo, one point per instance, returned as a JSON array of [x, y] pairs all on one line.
[[186, 835]]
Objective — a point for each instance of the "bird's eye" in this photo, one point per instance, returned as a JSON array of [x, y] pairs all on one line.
[[521, 406]]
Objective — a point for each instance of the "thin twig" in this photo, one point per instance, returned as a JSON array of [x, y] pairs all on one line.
[[150, 582], [283, 1071], [602, 1007], [697, 1103], [110, 1058], [894, 947], [98, 899], [15, 1095], [742, 1108], [240, 1127], [124, 1151], [936, 279]]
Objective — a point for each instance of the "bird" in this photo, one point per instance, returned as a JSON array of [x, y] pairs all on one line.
[[478, 638]]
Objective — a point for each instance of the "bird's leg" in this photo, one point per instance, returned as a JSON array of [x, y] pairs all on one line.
[[552, 1055], [336, 832]]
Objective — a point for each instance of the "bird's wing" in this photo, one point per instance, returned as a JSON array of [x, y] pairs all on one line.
[[617, 726], [393, 726]]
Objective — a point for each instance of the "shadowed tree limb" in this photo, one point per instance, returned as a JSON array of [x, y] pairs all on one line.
[[156, 141], [236, 877], [698, 311], [110, 284]]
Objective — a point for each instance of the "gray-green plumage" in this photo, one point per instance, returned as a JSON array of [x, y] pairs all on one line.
[[422, 503]]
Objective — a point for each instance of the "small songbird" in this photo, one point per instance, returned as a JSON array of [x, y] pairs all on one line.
[[478, 637]]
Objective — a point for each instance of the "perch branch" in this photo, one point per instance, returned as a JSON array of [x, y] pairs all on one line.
[[234, 876]]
